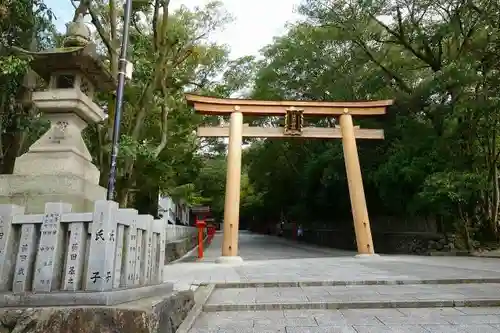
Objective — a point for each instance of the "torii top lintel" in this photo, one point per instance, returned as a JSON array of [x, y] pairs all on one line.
[[220, 106]]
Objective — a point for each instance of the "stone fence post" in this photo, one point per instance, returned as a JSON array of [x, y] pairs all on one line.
[[68, 256]]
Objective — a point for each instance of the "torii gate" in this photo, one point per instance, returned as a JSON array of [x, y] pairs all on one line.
[[293, 111]]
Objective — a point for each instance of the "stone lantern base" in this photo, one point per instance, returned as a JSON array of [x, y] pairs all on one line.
[[33, 191]]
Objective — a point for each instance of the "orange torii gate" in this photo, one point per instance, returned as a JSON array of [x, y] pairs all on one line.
[[293, 111]]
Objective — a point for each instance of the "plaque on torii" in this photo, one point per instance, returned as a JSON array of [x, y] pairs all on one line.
[[294, 121], [294, 112]]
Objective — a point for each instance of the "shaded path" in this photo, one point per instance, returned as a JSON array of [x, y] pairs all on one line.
[[263, 247], [268, 258]]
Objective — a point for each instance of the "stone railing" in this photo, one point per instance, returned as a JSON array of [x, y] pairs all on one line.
[[177, 232], [180, 240], [103, 257]]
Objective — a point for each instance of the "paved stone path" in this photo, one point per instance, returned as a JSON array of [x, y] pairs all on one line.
[[436, 320], [264, 261], [279, 274], [254, 247]]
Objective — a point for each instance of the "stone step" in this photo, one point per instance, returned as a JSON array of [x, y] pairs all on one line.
[[352, 305], [317, 283], [354, 296]]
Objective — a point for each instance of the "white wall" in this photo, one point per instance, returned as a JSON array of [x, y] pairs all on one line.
[[183, 210], [167, 209]]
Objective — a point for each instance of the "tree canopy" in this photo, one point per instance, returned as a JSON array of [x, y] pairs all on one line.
[[440, 157], [172, 53], [438, 60]]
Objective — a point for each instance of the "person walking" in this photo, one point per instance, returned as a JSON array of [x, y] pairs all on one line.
[[300, 232]]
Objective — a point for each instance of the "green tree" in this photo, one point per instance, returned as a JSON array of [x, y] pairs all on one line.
[[172, 54], [440, 156], [26, 24]]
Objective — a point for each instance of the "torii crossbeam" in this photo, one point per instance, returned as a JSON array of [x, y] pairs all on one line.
[[293, 111], [279, 132]]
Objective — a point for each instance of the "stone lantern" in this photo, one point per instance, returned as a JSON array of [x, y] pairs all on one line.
[[58, 166]]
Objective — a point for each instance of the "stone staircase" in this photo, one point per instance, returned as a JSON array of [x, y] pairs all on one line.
[[228, 305]]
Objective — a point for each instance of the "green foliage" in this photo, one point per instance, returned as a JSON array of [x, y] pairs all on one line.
[[440, 156], [159, 151], [26, 24], [447, 191], [172, 54], [13, 66], [438, 60]]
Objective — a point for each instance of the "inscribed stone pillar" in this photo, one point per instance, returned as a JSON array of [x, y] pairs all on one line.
[[7, 253], [146, 249], [123, 219], [163, 244], [130, 253], [101, 257], [75, 257], [23, 272], [48, 262], [139, 248]]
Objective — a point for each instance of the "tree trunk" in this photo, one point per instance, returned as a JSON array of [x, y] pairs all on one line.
[[496, 197], [12, 141], [146, 201], [122, 193]]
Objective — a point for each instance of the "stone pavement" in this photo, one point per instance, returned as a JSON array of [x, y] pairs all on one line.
[[436, 320], [293, 287], [262, 247], [273, 259]]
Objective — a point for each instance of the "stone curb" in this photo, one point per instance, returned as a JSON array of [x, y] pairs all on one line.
[[200, 298], [464, 254], [350, 283], [489, 256], [189, 254], [83, 298], [352, 305]]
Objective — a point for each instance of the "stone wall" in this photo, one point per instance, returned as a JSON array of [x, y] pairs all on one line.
[[384, 242], [391, 235], [178, 248], [144, 316]]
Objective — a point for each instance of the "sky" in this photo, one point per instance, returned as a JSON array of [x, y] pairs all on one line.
[[255, 22]]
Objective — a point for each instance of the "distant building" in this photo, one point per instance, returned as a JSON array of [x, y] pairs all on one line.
[[175, 212], [167, 209], [183, 212]]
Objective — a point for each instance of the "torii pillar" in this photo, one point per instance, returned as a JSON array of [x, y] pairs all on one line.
[[233, 187], [359, 209]]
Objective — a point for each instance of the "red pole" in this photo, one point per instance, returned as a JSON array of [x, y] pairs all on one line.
[[200, 243], [200, 225]]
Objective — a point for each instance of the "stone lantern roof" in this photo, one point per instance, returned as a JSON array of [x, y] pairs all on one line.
[[78, 53]]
